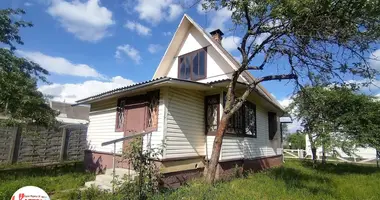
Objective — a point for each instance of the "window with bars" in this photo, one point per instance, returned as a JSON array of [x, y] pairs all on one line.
[[120, 115], [193, 65], [212, 113], [242, 123], [250, 119], [150, 100], [153, 103], [237, 123]]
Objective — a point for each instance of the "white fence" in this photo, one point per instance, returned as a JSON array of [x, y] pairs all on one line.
[[303, 154]]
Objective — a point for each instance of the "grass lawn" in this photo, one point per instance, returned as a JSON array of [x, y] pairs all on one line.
[[51, 179], [295, 180]]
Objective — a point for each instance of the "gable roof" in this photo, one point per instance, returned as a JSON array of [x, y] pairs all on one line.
[[176, 42]]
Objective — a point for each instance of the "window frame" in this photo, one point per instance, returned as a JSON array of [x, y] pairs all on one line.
[[272, 135], [248, 103], [218, 114], [243, 111], [134, 100], [191, 64], [119, 128]]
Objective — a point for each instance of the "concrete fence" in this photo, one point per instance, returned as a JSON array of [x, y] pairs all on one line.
[[38, 145]]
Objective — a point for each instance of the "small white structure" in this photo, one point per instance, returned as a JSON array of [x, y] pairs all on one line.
[[359, 153]]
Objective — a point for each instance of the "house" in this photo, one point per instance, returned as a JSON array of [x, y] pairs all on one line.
[[69, 114], [183, 104]]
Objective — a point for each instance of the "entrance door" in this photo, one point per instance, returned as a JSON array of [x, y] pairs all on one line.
[[135, 118]]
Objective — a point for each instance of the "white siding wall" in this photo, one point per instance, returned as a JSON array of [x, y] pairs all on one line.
[[185, 124], [262, 146], [102, 127], [232, 148]]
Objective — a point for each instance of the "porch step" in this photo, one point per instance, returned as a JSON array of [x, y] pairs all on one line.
[[104, 181], [120, 172]]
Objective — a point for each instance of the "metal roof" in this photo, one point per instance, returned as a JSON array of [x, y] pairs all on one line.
[[163, 79], [135, 86], [122, 89]]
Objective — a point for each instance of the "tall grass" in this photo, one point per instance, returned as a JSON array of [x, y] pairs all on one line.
[[294, 180]]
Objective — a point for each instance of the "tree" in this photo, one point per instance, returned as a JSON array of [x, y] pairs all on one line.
[[297, 140], [337, 117], [20, 101], [318, 42]]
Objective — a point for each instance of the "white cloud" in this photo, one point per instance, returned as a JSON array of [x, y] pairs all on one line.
[[129, 51], [375, 60], [59, 65], [200, 9], [260, 39], [139, 28], [157, 10], [88, 21], [296, 125], [27, 4], [72, 92], [219, 18], [175, 11], [231, 43], [367, 85], [285, 102], [168, 33], [154, 48]]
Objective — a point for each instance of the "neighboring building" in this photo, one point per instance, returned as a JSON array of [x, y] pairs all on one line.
[[183, 104], [69, 114]]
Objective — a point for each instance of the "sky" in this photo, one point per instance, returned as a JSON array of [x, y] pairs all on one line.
[[92, 46]]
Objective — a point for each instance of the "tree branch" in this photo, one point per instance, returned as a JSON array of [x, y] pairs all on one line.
[[275, 77], [254, 68]]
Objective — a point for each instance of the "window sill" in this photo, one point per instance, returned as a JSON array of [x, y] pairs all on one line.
[[146, 130], [232, 135]]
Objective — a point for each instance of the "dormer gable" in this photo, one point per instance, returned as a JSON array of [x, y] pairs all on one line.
[[194, 54]]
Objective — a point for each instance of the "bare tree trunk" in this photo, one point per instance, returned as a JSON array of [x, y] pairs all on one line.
[[213, 163], [313, 148], [323, 153], [314, 153]]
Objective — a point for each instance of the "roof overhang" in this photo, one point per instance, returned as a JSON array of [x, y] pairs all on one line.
[[144, 86]]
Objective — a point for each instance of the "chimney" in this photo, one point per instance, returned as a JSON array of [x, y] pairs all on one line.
[[217, 35]]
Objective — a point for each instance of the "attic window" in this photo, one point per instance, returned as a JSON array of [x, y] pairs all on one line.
[[192, 66]]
